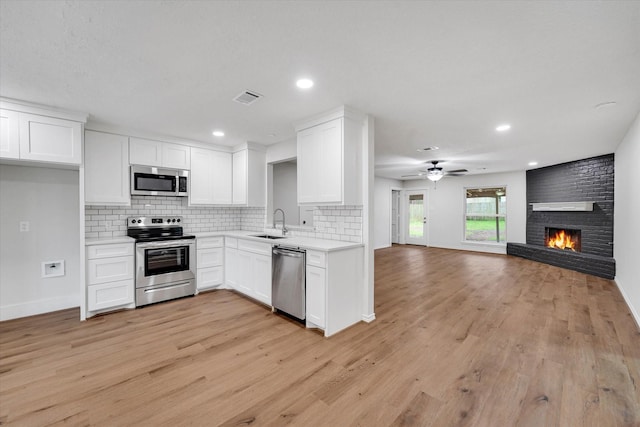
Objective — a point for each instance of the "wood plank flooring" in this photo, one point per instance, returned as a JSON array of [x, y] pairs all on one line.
[[460, 338]]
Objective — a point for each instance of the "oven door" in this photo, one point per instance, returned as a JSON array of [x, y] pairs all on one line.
[[164, 262]]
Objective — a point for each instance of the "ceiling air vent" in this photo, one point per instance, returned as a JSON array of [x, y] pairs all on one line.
[[247, 97]]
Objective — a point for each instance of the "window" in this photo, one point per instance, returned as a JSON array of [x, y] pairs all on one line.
[[486, 214]]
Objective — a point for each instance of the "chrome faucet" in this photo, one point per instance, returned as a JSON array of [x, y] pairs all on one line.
[[284, 227]]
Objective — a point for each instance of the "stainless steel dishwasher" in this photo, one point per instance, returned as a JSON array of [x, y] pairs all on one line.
[[288, 281]]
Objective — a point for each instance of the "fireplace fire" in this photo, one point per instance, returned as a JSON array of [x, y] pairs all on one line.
[[563, 239]]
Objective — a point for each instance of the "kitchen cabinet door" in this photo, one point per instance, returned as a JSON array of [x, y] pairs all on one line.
[[47, 139], [9, 134], [249, 178], [240, 177], [210, 277], [106, 169], [222, 178], [210, 177], [145, 152], [316, 295], [245, 273], [261, 267], [176, 156], [110, 295], [201, 177], [320, 159], [231, 267]]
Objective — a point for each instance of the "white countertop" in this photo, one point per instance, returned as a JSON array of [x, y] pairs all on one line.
[[108, 240], [293, 241]]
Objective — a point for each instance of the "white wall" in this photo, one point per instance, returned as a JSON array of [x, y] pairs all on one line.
[[446, 209], [48, 200], [382, 211], [626, 233], [285, 191], [285, 150]]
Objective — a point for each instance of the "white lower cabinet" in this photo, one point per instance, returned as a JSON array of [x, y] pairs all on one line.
[[334, 289], [210, 262], [262, 277], [108, 295], [248, 268], [110, 270], [316, 295]]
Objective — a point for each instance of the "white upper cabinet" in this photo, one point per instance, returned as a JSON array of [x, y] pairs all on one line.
[[210, 177], [106, 161], [47, 139], [160, 154], [27, 136], [9, 134], [249, 178], [330, 159], [176, 156]]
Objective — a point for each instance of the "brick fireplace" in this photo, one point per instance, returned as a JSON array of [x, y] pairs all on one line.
[[573, 203]]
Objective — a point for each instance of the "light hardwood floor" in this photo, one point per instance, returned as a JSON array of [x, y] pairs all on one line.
[[460, 339]]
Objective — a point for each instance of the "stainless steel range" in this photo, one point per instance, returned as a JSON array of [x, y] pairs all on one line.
[[165, 259]]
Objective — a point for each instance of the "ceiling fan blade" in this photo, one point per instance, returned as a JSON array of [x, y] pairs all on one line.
[[407, 176], [458, 171]]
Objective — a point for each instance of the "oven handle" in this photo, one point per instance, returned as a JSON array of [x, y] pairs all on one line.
[[168, 244], [164, 288]]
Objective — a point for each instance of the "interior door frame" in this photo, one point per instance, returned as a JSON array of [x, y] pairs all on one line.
[[405, 216]]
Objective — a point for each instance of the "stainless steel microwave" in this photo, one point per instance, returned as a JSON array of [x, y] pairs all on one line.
[[152, 181]]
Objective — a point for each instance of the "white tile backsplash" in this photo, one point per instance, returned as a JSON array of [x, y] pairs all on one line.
[[342, 223], [111, 221]]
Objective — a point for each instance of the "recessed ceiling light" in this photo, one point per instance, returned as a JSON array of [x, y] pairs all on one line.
[[218, 133], [503, 128], [533, 163], [304, 83], [428, 148]]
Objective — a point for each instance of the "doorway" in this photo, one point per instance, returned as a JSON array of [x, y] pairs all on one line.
[[416, 205], [395, 216]]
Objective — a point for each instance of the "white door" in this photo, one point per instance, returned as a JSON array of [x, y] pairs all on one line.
[[416, 209], [395, 216]]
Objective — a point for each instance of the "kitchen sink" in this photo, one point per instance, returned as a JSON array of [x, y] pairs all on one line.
[[268, 236]]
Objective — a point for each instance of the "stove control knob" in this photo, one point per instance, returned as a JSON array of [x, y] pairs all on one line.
[[174, 220], [178, 219], [139, 221], [133, 221]]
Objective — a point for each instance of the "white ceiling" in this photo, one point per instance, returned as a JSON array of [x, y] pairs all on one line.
[[431, 73]]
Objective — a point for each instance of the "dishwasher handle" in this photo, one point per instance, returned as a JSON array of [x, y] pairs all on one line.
[[288, 252]]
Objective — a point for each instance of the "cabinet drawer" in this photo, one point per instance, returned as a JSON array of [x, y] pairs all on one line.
[[231, 242], [210, 242], [109, 295], [109, 251], [210, 277], [212, 257], [255, 247], [317, 259], [105, 270]]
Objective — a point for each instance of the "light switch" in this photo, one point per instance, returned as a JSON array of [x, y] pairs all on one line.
[[24, 226]]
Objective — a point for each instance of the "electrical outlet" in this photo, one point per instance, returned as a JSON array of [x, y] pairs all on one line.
[[24, 226]]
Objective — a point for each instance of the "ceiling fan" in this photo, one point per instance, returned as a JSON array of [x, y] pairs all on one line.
[[435, 173]]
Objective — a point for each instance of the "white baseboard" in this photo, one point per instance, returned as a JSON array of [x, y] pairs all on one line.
[[369, 317], [31, 308], [632, 309]]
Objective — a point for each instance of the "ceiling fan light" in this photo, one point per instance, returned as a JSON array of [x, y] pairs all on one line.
[[435, 175]]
